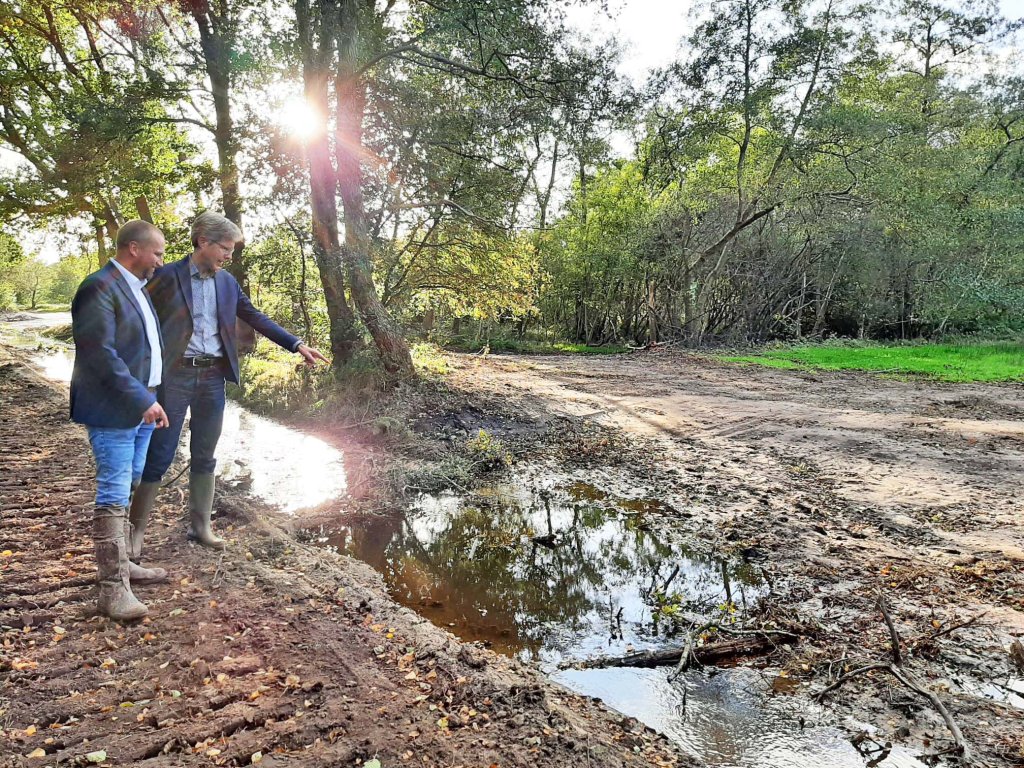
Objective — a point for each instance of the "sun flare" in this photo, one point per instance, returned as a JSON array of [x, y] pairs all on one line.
[[300, 119]]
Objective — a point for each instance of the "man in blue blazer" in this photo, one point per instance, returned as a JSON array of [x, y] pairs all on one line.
[[197, 303], [118, 366]]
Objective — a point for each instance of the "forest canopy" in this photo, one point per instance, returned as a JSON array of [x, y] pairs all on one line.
[[803, 169]]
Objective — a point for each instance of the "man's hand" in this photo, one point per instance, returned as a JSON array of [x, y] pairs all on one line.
[[310, 355], [155, 415]]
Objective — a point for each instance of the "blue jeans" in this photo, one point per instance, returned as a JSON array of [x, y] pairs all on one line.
[[202, 391], [120, 455]]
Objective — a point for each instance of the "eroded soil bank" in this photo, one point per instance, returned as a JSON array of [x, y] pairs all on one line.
[[840, 488], [276, 653]]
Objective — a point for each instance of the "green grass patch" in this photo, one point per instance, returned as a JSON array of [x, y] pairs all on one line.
[[998, 361], [533, 347]]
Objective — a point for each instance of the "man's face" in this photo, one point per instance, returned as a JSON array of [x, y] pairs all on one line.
[[211, 256], [149, 254]]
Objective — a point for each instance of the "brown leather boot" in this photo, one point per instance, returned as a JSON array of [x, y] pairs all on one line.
[[200, 509], [143, 499], [115, 598]]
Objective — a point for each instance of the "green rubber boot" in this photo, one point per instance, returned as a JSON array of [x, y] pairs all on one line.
[[143, 499], [200, 509]]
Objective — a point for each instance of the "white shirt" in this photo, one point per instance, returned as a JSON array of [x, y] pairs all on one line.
[[156, 362]]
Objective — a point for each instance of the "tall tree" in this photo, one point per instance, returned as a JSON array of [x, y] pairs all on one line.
[[362, 62], [76, 108]]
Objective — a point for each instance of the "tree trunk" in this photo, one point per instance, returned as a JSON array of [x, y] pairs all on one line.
[[324, 209], [101, 245], [350, 93], [217, 46], [214, 38], [142, 207], [652, 312]]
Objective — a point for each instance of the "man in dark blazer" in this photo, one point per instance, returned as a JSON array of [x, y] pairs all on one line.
[[197, 303], [118, 366]]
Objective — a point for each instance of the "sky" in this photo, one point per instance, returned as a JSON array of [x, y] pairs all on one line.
[[651, 30]]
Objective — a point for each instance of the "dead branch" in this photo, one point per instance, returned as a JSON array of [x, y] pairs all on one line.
[[895, 668], [753, 644]]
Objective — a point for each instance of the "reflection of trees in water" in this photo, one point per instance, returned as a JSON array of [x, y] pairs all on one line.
[[477, 569]]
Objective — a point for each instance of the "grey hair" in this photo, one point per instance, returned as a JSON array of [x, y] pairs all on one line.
[[215, 228], [136, 231]]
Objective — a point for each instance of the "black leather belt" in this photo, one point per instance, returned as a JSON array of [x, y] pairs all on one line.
[[199, 361]]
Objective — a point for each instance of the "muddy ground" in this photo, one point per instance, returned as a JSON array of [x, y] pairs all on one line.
[[842, 487], [274, 654], [837, 487]]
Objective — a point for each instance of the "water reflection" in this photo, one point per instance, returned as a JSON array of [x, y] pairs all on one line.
[[283, 467], [729, 719], [571, 572], [540, 575]]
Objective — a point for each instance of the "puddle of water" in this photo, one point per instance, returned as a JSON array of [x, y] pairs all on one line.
[[729, 718], [566, 574], [281, 466], [1009, 691], [541, 578]]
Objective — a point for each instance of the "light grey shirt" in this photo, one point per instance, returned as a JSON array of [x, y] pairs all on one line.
[[156, 353], [205, 330]]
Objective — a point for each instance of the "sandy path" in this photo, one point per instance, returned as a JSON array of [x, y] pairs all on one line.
[[915, 449]]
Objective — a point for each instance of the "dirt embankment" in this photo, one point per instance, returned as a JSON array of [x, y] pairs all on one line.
[[272, 654], [840, 487]]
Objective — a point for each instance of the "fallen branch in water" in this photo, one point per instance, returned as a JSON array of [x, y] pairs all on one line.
[[895, 668], [747, 643]]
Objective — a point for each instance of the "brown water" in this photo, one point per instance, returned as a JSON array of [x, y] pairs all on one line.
[[560, 571]]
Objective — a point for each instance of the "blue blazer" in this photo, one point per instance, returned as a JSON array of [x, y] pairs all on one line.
[[112, 355], [171, 290]]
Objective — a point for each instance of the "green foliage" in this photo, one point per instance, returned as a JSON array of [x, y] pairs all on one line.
[[799, 177], [488, 452], [82, 109], [946, 362]]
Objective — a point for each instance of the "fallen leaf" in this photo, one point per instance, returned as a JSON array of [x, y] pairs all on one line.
[[255, 757], [7, 553], [30, 730], [37, 752], [374, 763], [98, 756]]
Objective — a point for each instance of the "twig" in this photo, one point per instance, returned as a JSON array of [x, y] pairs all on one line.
[[950, 630], [172, 481], [671, 576], [216, 573], [894, 638], [895, 669]]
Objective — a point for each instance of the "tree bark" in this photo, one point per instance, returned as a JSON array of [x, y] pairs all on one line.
[[215, 39], [316, 59], [350, 95], [712, 653]]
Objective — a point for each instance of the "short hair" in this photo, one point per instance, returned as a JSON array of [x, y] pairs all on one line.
[[136, 231], [214, 228]]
